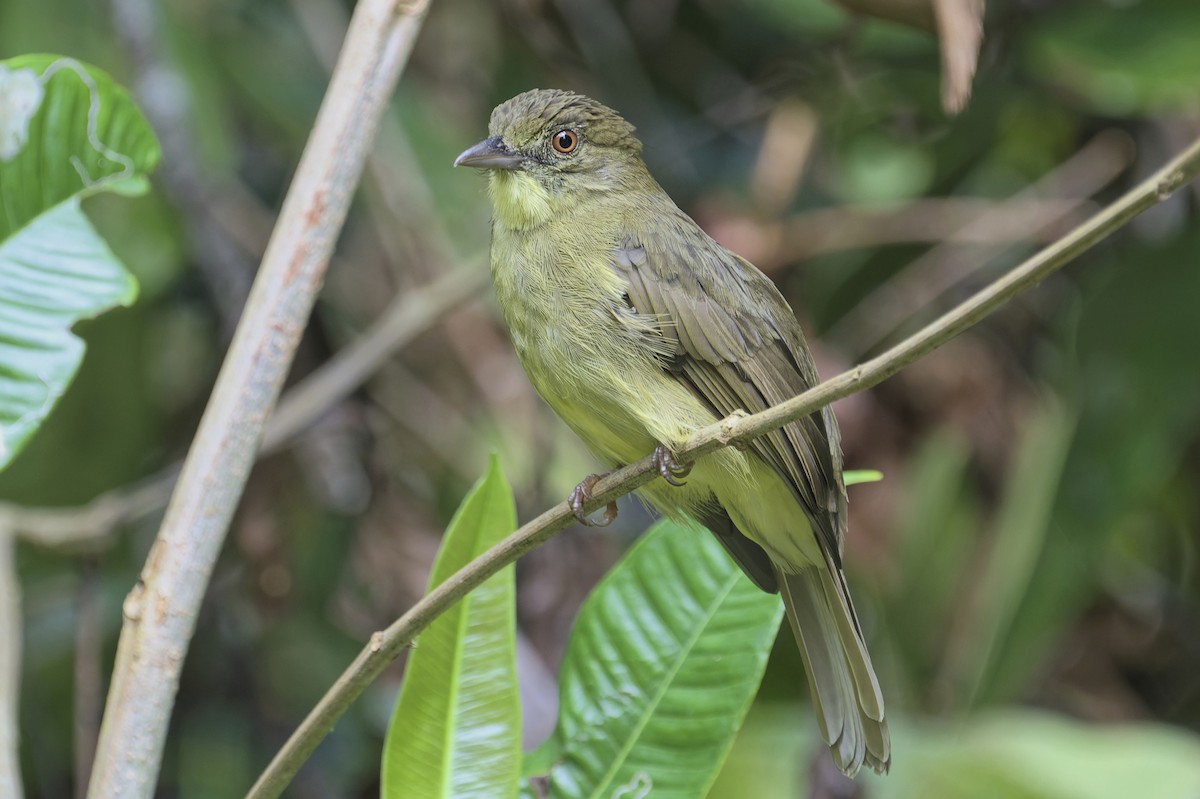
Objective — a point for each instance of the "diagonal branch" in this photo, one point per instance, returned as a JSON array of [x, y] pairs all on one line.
[[384, 646], [160, 613]]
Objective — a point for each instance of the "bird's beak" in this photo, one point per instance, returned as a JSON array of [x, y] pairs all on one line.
[[489, 154]]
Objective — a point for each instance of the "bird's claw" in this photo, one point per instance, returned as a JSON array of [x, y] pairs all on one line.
[[582, 495], [671, 470]]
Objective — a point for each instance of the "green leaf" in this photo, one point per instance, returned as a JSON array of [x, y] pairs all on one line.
[[857, 476], [456, 729], [663, 662], [54, 272], [66, 131]]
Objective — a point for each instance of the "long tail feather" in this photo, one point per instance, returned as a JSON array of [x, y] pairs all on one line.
[[845, 691]]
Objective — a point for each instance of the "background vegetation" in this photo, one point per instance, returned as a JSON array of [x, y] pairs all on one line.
[[1027, 569]]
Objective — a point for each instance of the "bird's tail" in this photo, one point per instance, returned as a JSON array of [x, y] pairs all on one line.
[[845, 691]]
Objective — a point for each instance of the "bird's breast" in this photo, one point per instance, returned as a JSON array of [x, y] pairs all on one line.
[[563, 305]]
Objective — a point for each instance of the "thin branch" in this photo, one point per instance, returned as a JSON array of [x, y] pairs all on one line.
[[88, 528], [955, 220], [738, 429], [160, 613], [404, 319], [911, 291]]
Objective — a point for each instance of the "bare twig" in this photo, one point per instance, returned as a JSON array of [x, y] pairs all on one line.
[[87, 528], [407, 316], [959, 220], [10, 666], [384, 646], [937, 270], [160, 613]]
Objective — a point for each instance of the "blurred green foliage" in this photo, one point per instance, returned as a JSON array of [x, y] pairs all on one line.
[[1034, 543]]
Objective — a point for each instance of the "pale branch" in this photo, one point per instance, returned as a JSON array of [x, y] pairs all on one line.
[[160, 613], [89, 527], [386, 645]]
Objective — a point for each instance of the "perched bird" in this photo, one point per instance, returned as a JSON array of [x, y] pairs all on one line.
[[638, 329]]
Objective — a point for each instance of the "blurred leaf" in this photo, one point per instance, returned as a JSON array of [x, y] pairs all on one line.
[[1014, 755], [67, 131], [456, 728], [876, 169], [801, 16], [215, 751], [662, 664], [1123, 59], [936, 529], [1138, 394], [1024, 522], [1036, 755]]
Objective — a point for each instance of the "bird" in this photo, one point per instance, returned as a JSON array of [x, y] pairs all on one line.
[[638, 329]]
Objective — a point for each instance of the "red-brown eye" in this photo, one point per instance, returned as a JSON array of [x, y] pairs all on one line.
[[565, 141]]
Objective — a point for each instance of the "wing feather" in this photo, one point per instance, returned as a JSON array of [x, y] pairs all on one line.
[[736, 344]]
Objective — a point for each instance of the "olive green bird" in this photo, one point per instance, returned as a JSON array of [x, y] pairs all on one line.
[[638, 329]]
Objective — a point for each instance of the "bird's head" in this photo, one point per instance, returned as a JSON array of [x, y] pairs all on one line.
[[548, 148]]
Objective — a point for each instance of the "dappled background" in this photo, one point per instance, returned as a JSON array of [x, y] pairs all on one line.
[[1026, 571]]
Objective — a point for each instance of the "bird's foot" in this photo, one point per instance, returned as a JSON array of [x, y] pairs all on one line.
[[671, 470], [582, 495]]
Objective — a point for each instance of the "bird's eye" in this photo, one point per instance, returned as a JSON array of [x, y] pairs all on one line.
[[565, 141]]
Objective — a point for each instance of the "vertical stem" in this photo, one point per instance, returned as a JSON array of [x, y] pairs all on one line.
[[89, 677], [160, 612], [10, 666]]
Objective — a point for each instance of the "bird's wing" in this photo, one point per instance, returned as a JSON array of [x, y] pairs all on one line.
[[736, 344]]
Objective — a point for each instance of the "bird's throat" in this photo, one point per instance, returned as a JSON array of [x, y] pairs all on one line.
[[520, 202]]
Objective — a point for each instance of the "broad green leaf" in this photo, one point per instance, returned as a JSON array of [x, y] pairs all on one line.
[[66, 131], [53, 272], [456, 729], [663, 662]]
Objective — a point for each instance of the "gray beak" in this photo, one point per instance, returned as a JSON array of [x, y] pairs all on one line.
[[489, 154]]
